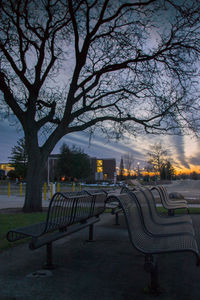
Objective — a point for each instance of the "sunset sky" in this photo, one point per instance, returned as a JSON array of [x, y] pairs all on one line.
[[185, 151]]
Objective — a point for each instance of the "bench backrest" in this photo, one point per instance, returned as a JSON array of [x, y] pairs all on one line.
[[133, 217], [161, 195], [100, 196], [145, 208], [100, 201], [65, 210], [151, 202]]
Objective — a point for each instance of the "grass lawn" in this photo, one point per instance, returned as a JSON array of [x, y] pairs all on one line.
[[193, 210], [11, 221]]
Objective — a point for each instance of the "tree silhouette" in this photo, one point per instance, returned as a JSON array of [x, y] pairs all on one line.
[[157, 157], [19, 159], [128, 162], [73, 163], [121, 169], [68, 66]]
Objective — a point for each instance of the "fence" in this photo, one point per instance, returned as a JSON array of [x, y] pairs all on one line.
[[18, 189]]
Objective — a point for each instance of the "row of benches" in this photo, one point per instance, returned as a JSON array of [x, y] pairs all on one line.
[[154, 234], [149, 232]]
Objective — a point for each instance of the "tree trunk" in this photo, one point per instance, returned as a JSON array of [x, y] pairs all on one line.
[[34, 179]]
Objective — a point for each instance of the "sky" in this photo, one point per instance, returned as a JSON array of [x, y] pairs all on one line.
[[184, 150]]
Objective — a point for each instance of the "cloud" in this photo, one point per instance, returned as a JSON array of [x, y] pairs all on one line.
[[8, 138], [195, 160], [100, 147], [184, 150], [177, 149]]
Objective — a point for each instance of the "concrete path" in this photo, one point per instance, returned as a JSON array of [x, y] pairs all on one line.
[[107, 269], [16, 202], [190, 189]]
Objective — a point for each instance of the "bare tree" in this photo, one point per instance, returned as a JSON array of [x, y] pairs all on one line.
[[121, 169], [128, 162], [121, 71], [157, 157]]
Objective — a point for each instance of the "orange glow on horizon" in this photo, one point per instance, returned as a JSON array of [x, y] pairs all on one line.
[[186, 170], [178, 171]]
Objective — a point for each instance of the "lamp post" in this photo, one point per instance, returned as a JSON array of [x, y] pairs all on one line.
[[48, 172], [138, 169], [51, 169]]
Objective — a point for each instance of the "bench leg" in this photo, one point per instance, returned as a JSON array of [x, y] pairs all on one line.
[[151, 267], [170, 212], [117, 219], [91, 231], [49, 261]]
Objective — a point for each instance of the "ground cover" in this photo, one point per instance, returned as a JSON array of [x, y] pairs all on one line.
[[18, 219], [14, 220]]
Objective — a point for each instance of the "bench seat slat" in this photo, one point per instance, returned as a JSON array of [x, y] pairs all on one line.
[[34, 230], [51, 237]]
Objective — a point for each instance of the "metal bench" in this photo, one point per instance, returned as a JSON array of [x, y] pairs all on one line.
[[164, 219], [151, 245], [66, 214], [114, 207], [170, 206], [172, 202], [152, 223]]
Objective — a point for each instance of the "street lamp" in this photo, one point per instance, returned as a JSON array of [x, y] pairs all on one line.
[[138, 169], [48, 169]]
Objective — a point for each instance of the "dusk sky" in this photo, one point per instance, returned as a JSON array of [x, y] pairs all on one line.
[[184, 150]]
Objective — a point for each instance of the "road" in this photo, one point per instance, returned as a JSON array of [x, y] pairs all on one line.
[[190, 189]]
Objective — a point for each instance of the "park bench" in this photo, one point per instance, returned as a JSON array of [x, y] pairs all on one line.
[[171, 206], [166, 219], [160, 218], [114, 206], [154, 223], [174, 201], [66, 214], [148, 243]]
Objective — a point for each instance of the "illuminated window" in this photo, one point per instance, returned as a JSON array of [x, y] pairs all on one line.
[[99, 163], [99, 169], [99, 166], [6, 167]]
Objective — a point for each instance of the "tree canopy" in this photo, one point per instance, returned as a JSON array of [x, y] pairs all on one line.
[[128, 162], [120, 66], [73, 163], [157, 157], [19, 159]]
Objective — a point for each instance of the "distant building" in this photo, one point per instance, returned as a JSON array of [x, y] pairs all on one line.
[[6, 167], [103, 168]]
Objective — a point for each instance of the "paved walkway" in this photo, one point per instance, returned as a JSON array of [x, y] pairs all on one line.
[[190, 189], [17, 202], [107, 269]]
